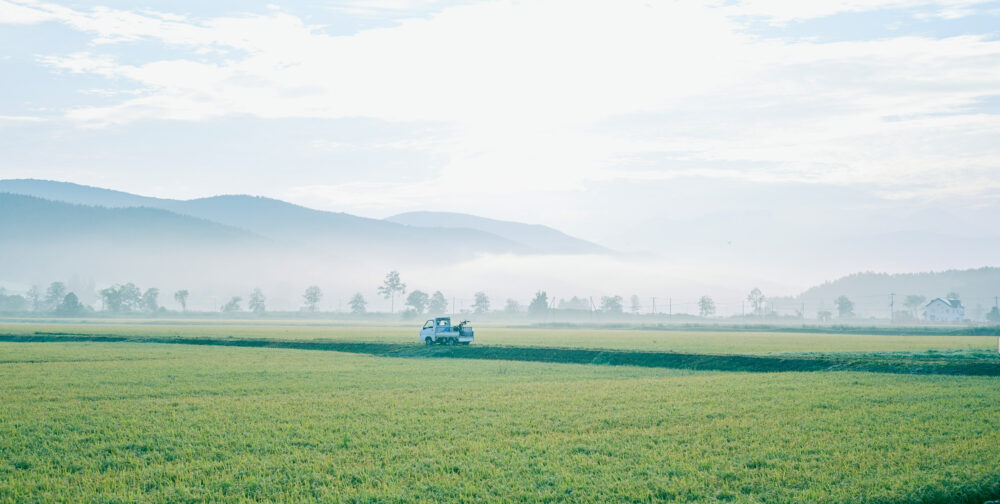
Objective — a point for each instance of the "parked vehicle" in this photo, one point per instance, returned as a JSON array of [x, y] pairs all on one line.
[[440, 330]]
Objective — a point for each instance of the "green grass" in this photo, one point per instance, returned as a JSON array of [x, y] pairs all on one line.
[[643, 340], [128, 422]]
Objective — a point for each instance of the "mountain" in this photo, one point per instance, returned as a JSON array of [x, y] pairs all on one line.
[[340, 233], [44, 238], [75, 193], [541, 238], [975, 287]]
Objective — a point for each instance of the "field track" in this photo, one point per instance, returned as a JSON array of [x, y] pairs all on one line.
[[922, 363]]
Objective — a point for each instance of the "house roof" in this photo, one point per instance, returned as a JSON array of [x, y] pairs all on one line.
[[954, 303]]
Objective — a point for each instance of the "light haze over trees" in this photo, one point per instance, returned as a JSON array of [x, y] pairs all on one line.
[[482, 303], [358, 304], [391, 285], [438, 304], [312, 297]]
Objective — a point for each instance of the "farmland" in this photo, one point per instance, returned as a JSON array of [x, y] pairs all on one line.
[[720, 342], [149, 422]]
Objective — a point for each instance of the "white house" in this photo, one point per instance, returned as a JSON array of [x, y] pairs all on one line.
[[944, 310]]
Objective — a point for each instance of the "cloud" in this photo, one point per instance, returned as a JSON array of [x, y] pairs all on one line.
[[550, 95]]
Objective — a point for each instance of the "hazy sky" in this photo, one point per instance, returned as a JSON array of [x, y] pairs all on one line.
[[622, 122]]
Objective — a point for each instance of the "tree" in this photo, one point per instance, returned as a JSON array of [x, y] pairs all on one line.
[[35, 296], [54, 295], [390, 286], [112, 299], [181, 297], [612, 304], [358, 304], [482, 303], [994, 315], [756, 298], [913, 302], [706, 306], [312, 296], [131, 297], [824, 316], [256, 301], [575, 303], [150, 299], [845, 307], [122, 298], [418, 300], [233, 305], [438, 304], [12, 302], [953, 295], [540, 304], [512, 306], [69, 306], [636, 304]]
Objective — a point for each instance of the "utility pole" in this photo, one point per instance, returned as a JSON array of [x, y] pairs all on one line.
[[654, 305], [892, 307], [670, 312], [743, 311]]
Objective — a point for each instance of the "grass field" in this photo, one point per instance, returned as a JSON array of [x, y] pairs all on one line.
[[677, 341], [144, 422]]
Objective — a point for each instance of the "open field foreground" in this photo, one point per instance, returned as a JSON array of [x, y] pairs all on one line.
[[146, 422]]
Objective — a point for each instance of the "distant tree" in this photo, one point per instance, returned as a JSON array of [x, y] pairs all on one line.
[[312, 297], [417, 301], [994, 315], [34, 295], [756, 298], [358, 304], [12, 302], [540, 304], [824, 315], [122, 298], [575, 303], [636, 304], [481, 303], [131, 297], [233, 305], [706, 306], [181, 297], [845, 307], [70, 306], [512, 306], [112, 299], [612, 304], [438, 304], [256, 301], [914, 302], [390, 286], [953, 295], [54, 295], [150, 299]]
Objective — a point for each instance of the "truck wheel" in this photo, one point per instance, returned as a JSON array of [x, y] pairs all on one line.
[[451, 341], [428, 341]]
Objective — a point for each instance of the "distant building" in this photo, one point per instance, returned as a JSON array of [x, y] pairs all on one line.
[[944, 310]]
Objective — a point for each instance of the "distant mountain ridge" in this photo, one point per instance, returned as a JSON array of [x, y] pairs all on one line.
[[288, 222], [975, 287], [541, 238]]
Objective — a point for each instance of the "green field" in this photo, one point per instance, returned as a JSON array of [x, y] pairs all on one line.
[[146, 422], [645, 340]]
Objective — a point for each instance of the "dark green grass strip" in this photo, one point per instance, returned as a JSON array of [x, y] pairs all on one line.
[[712, 362]]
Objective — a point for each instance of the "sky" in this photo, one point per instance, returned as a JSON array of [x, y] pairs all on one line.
[[757, 134]]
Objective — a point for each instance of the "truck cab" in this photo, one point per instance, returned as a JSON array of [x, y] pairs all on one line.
[[440, 330]]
